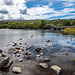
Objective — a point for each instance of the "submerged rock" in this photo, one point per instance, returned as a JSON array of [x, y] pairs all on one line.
[[56, 68], [28, 56], [29, 47], [20, 38], [43, 65], [15, 52], [38, 49], [27, 53], [0, 50], [16, 70], [48, 41], [68, 46], [32, 35]]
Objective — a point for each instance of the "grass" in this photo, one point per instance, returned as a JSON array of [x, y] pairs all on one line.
[[4, 28], [70, 30]]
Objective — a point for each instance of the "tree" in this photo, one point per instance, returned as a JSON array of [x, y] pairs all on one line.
[[66, 23], [43, 23], [73, 22]]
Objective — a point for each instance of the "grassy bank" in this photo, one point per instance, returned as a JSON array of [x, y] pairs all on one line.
[[70, 30], [36, 24]]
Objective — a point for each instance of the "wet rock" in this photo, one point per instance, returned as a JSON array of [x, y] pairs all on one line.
[[17, 48], [5, 51], [3, 55], [53, 47], [22, 49], [29, 61], [38, 55], [43, 65], [1, 74], [27, 53], [15, 52], [11, 50], [25, 43], [4, 61], [28, 56], [20, 60], [8, 64], [0, 50], [14, 44], [16, 70], [29, 47], [41, 53], [38, 49], [68, 46], [48, 41], [32, 35], [56, 68], [20, 38], [20, 43], [46, 60], [20, 52], [0, 55], [18, 55], [67, 54]]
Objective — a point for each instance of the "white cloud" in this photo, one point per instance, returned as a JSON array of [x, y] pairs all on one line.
[[12, 9], [16, 9], [40, 10], [67, 0], [69, 17]]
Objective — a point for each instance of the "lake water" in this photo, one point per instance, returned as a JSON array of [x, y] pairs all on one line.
[[56, 49], [60, 41]]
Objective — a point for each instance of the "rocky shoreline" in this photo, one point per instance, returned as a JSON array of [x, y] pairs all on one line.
[[60, 63]]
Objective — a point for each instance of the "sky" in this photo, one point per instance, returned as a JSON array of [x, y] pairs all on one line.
[[37, 9]]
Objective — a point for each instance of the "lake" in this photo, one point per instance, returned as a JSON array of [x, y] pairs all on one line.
[[57, 49]]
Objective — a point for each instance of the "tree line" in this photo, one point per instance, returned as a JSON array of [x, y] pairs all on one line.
[[36, 24]]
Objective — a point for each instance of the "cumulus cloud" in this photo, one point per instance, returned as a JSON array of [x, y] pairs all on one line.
[[1, 17], [17, 9], [4, 11], [23, 11], [8, 2]]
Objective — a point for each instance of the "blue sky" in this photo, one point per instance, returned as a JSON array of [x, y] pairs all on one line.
[[37, 9]]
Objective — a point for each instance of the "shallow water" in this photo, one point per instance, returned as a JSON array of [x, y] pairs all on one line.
[[60, 41], [56, 49]]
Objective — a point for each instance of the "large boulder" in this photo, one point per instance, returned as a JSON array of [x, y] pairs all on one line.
[[8, 64], [56, 68], [4, 61], [43, 65], [16, 70]]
